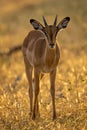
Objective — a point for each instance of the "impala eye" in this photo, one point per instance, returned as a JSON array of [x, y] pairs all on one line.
[[45, 33]]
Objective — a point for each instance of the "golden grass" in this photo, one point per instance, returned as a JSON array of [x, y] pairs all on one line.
[[71, 96], [71, 80], [13, 5]]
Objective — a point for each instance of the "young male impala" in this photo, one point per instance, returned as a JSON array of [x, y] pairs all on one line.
[[41, 53]]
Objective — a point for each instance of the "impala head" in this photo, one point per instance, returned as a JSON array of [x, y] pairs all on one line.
[[50, 31]]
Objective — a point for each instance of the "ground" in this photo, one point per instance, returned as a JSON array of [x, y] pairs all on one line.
[[71, 80]]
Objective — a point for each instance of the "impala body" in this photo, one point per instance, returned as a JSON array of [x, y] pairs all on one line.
[[41, 53]]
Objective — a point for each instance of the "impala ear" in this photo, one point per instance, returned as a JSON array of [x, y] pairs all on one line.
[[63, 23], [36, 25]]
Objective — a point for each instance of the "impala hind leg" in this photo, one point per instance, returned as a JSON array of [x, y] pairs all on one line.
[[28, 69], [41, 76], [52, 90]]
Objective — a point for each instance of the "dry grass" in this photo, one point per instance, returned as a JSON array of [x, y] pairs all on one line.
[[71, 81]]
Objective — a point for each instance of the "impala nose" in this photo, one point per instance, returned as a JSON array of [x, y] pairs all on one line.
[[52, 45]]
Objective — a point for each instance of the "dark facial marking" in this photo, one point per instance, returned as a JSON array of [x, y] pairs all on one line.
[[50, 32]]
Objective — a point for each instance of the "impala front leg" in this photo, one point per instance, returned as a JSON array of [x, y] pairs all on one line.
[[36, 105], [52, 90]]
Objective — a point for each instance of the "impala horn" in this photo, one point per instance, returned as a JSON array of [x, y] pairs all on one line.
[[45, 23], [55, 21]]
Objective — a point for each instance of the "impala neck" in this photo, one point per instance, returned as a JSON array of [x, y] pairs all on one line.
[[50, 54]]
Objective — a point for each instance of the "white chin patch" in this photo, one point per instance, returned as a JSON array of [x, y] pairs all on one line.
[[52, 46]]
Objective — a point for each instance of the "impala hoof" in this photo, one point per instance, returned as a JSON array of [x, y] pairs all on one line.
[[33, 117], [30, 113], [54, 117]]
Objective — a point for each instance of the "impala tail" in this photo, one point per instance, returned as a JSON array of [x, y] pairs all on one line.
[[11, 51]]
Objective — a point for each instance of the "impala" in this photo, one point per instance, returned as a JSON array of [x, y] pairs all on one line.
[[41, 54]]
